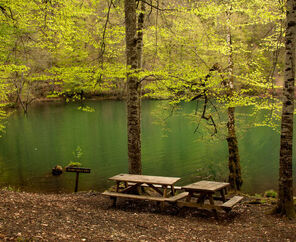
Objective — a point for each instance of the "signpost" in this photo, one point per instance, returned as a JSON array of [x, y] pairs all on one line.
[[77, 170]]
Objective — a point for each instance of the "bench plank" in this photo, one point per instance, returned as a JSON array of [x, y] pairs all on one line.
[[231, 202], [177, 197], [133, 196]]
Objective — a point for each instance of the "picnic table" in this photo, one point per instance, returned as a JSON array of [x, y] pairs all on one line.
[[207, 193], [129, 185]]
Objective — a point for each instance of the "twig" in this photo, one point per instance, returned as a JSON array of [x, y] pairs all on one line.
[[157, 6], [215, 67], [103, 45]]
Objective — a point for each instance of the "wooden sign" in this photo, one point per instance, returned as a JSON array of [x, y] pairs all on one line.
[[77, 169]]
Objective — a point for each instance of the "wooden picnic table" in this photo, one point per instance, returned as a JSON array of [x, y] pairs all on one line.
[[128, 186], [204, 191]]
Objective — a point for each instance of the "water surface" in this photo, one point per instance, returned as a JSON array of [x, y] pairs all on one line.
[[33, 144]]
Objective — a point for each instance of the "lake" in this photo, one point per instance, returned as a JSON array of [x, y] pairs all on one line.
[[51, 132]]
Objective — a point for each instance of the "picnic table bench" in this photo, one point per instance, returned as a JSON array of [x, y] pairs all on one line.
[[204, 192], [163, 186]]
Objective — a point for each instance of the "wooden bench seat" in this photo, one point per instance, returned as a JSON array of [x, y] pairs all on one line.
[[177, 197], [227, 206], [142, 197], [133, 196]]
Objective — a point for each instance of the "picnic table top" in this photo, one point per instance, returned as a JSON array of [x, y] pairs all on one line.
[[206, 186], [161, 180]]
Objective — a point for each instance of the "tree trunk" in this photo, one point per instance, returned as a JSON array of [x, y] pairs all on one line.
[[285, 204], [140, 52], [235, 178], [140, 35], [133, 89]]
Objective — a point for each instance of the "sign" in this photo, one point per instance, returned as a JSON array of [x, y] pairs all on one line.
[[77, 169]]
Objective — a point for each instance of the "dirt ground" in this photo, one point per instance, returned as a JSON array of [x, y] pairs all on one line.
[[89, 216]]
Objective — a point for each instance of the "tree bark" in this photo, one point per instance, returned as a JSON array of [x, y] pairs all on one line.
[[140, 35], [235, 178], [285, 204], [133, 89]]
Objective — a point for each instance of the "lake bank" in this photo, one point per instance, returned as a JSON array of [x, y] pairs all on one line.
[[88, 217]]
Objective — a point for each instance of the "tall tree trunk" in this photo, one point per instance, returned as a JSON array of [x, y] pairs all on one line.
[[285, 204], [133, 89], [235, 178]]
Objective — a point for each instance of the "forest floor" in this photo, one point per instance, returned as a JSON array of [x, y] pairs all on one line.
[[88, 216]]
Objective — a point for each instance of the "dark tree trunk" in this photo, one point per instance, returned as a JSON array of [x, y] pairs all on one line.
[[133, 50], [285, 204], [235, 178], [140, 35]]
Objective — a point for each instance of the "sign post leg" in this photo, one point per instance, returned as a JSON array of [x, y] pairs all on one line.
[[76, 183]]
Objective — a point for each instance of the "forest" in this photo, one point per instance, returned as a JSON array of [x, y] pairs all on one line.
[[217, 56]]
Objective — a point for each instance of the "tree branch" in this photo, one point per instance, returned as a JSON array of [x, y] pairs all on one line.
[[157, 7], [103, 45]]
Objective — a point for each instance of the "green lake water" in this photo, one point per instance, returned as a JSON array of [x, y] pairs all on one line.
[[33, 144]]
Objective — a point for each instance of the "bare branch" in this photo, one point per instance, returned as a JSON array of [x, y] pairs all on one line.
[[215, 67], [4, 11], [157, 7], [103, 45]]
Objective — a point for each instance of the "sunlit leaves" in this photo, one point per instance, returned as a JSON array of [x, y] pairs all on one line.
[[189, 41]]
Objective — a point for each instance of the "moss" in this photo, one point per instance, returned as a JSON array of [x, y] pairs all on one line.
[[10, 188], [74, 164]]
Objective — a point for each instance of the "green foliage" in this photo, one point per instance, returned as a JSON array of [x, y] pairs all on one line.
[[77, 154], [71, 48], [11, 188], [193, 39], [74, 164], [271, 194], [55, 48]]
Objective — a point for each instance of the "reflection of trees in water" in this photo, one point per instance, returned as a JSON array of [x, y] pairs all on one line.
[[3, 172], [213, 170], [209, 170], [19, 157], [53, 184]]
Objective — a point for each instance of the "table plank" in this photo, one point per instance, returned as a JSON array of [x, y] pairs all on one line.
[[208, 186], [161, 180]]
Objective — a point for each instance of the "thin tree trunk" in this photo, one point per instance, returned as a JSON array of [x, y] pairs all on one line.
[[133, 97], [235, 178], [140, 35], [285, 204]]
